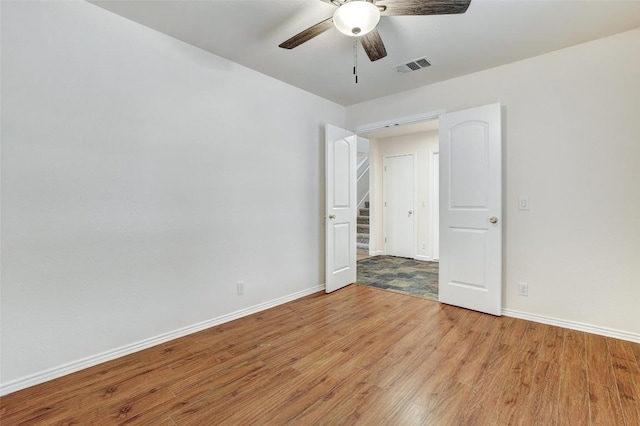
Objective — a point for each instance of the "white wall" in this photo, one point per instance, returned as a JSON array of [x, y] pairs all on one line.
[[423, 145], [571, 142], [141, 179]]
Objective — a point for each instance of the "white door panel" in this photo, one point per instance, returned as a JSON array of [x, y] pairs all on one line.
[[470, 198], [399, 210], [342, 243], [469, 165], [341, 152]]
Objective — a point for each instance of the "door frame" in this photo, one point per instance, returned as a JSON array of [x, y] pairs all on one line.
[[417, 118], [380, 125], [435, 203]]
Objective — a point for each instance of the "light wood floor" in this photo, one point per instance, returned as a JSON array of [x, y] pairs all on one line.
[[357, 356]]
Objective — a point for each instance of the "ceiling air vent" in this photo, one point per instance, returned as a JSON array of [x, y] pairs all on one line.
[[415, 65]]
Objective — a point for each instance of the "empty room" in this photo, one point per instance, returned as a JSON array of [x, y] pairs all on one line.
[[180, 212]]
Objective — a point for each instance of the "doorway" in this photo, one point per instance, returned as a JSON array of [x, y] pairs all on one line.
[[470, 211], [411, 199]]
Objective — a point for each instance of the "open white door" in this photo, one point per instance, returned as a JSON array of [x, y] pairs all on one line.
[[341, 153], [471, 209]]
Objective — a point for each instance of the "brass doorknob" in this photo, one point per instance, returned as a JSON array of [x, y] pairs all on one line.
[[493, 220]]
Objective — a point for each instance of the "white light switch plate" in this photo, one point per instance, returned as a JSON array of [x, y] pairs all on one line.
[[523, 203]]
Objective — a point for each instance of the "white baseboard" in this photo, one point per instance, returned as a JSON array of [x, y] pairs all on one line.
[[423, 258], [574, 325], [72, 367], [376, 252]]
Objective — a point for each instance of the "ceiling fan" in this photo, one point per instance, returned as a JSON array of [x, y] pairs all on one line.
[[358, 18]]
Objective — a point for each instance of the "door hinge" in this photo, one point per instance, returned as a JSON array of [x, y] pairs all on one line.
[[385, 239], [385, 168]]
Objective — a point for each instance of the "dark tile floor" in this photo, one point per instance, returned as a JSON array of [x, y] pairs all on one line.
[[399, 274]]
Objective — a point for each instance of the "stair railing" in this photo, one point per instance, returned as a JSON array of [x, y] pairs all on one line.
[[363, 180]]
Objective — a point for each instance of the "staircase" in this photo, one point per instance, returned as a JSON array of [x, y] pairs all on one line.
[[363, 229]]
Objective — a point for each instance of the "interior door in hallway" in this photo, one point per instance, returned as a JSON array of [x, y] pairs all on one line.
[[471, 209], [340, 257], [399, 210]]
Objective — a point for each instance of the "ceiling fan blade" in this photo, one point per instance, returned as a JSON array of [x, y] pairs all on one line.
[[308, 34], [373, 45], [422, 7]]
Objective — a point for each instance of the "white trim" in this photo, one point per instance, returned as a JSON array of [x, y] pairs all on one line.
[[423, 258], [72, 367], [435, 201], [574, 325], [376, 252], [399, 121]]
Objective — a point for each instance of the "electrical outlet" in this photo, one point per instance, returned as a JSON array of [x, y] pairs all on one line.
[[240, 288], [523, 289]]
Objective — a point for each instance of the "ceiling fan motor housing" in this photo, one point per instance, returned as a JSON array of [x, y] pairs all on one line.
[[356, 17]]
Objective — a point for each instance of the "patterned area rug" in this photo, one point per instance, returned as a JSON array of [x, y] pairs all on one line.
[[399, 274]]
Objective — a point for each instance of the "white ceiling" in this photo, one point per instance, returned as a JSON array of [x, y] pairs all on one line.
[[490, 33]]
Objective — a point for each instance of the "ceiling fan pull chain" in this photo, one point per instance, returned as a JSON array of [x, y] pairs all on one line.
[[355, 58]]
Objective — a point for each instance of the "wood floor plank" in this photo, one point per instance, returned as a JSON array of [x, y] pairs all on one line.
[[575, 348], [486, 393], [621, 349], [410, 414], [573, 401], [379, 408], [636, 352], [357, 356], [214, 404], [216, 376], [605, 408], [512, 403], [627, 374], [131, 409], [514, 333], [349, 400], [474, 366], [286, 403], [449, 402], [599, 365], [552, 345], [542, 405]]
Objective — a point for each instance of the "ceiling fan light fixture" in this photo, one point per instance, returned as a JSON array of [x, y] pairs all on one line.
[[356, 17]]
